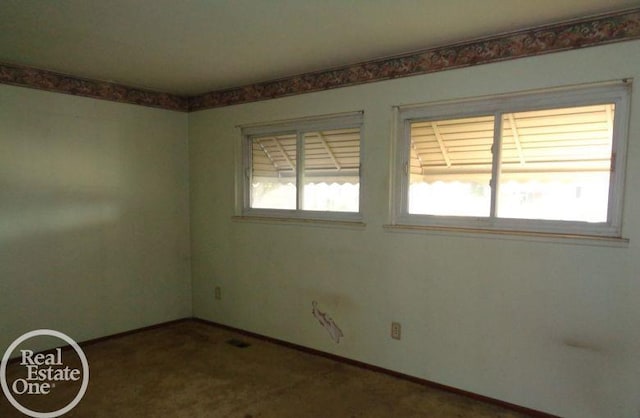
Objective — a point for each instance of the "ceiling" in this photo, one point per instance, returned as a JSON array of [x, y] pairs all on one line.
[[191, 47]]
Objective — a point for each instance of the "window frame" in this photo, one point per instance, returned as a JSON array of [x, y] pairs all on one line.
[[616, 92], [299, 127]]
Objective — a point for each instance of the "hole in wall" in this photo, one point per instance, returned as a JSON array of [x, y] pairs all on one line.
[[238, 343]]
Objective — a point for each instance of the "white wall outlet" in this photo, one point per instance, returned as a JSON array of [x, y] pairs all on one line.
[[396, 330], [217, 293]]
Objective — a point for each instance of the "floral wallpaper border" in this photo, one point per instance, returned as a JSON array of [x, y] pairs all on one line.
[[543, 40], [615, 27], [60, 83]]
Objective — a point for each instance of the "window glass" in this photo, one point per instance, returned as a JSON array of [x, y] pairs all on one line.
[[556, 164], [549, 161], [331, 170], [305, 168], [273, 172], [450, 167]]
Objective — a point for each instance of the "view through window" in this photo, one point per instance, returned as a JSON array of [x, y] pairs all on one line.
[[554, 164], [306, 170], [536, 162]]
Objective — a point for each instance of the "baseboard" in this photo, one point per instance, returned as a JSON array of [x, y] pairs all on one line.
[[356, 363], [108, 337]]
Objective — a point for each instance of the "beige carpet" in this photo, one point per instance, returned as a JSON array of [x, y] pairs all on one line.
[[188, 369]]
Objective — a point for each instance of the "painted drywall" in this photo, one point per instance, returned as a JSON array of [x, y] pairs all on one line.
[[94, 229], [546, 324]]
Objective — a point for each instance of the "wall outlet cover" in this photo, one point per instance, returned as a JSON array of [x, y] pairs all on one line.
[[396, 330]]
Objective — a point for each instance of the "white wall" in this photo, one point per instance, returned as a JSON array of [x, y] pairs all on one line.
[[94, 226], [549, 325]]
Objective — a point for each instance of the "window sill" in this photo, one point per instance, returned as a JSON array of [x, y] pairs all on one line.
[[300, 221], [576, 239]]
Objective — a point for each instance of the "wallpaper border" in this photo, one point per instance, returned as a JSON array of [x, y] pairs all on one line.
[[599, 30], [22, 76]]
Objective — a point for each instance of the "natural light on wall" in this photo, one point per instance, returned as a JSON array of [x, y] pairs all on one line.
[[554, 164]]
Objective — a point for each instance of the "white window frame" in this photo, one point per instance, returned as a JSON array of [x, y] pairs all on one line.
[[299, 127], [615, 92]]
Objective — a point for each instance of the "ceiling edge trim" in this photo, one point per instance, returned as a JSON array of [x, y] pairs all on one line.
[[600, 30], [22, 76]]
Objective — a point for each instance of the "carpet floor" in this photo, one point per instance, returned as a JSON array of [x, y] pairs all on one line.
[[188, 369]]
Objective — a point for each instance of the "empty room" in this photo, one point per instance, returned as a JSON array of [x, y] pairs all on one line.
[[364, 208]]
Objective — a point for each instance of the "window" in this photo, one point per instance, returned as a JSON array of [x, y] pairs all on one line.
[[307, 168], [538, 162]]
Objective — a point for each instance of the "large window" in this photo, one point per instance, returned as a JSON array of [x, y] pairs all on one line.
[[542, 162], [306, 168]]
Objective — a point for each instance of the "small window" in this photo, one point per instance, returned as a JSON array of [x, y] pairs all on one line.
[[545, 162], [305, 168]]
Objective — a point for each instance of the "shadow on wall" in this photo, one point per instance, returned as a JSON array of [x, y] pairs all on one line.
[[85, 262], [24, 214]]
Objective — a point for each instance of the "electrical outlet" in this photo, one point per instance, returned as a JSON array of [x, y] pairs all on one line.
[[217, 293], [396, 330]]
